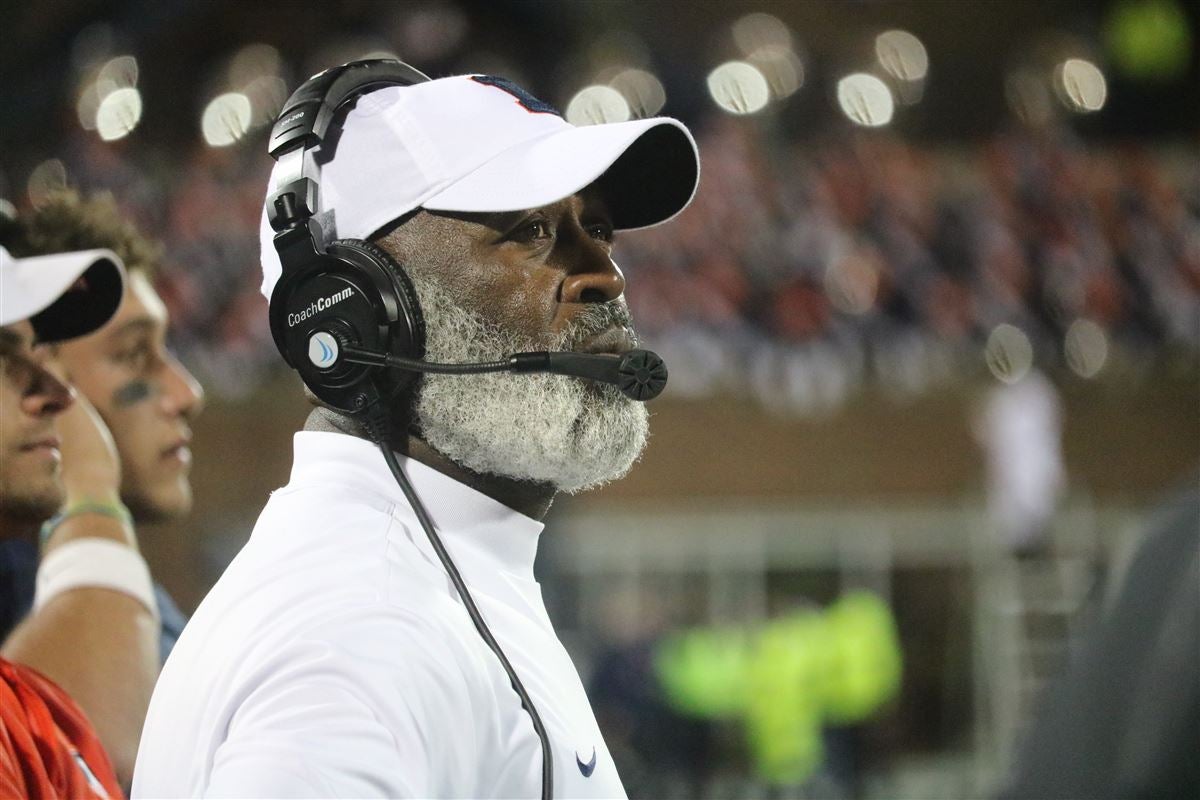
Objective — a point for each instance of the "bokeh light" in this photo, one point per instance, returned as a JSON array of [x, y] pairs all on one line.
[[1080, 85], [902, 55], [1149, 40], [87, 105], [1086, 348], [252, 62], [1029, 97], [48, 177], [226, 119], [92, 45], [866, 100], [114, 75], [119, 113], [431, 32], [267, 94], [595, 105], [782, 68], [642, 90], [117, 73], [739, 88], [761, 30], [615, 50], [1009, 353], [851, 284]]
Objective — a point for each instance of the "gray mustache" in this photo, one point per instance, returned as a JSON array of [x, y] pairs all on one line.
[[593, 320]]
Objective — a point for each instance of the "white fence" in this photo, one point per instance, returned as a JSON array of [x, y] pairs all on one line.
[[623, 568]]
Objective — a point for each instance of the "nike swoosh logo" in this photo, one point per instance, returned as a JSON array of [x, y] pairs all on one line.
[[589, 767]]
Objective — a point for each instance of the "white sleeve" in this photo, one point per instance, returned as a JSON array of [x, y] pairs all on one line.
[[375, 711]]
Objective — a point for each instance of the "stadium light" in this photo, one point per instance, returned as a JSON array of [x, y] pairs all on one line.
[[739, 88], [902, 55], [1080, 85], [597, 104], [781, 67], [119, 113], [48, 177], [1009, 353], [1086, 348], [226, 119], [119, 72], [851, 283], [758, 30], [642, 90], [866, 100]]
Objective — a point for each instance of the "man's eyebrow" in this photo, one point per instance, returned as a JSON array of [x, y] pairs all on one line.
[[134, 326], [10, 340]]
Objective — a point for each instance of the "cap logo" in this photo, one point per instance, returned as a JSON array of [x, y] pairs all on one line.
[[524, 98]]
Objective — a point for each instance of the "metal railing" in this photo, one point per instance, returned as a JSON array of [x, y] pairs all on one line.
[[718, 559]]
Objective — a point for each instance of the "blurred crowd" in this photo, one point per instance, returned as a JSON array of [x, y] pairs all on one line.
[[803, 270]]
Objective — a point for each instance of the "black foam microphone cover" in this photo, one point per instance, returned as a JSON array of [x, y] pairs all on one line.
[[638, 374]]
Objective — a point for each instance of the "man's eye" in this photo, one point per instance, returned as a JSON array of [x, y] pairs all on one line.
[[601, 231], [137, 357], [535, 229]]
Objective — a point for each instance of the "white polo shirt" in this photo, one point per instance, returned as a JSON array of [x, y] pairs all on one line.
[[334, 658]]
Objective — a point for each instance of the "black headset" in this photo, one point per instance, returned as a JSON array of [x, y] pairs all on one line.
[[349, 292], [342, 312]]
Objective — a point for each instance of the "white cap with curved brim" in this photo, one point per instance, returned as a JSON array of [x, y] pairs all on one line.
[[65, 295], [477, 143]]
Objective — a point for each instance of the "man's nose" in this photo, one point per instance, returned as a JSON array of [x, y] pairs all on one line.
[[183, 395], [48, 393], [596, 278]]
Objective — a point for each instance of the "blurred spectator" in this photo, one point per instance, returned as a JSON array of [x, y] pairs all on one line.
[[93, 631], [803, 270], [1020, 429], [146, 398], [1123, 720]]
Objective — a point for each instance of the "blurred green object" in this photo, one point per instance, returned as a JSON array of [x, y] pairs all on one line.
[[787, 678], [866, 649], [704, 671], [1148, 40], [789, 670]]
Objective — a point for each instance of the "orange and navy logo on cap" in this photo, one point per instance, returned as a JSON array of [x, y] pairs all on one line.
[[524, 98]]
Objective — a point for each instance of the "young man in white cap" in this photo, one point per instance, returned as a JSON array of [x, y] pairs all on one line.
[[91, 638], [337, 656], [145, 396]]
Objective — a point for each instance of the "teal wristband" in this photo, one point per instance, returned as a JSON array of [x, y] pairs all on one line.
[[117, 511]]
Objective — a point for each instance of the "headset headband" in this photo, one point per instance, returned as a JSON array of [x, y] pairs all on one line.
[[304, 123]]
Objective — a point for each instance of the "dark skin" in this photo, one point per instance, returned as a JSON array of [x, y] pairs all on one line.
[[531, 272]]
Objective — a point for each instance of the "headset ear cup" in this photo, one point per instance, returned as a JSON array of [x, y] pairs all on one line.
[[408, 310], [277, 311]]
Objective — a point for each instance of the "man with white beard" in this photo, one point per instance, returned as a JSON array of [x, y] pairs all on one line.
[[341, 653]]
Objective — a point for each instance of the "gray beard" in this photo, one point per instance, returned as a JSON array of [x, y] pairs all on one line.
[[570, 433]]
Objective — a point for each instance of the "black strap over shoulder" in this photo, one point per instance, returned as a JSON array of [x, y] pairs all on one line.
[[307, 113]]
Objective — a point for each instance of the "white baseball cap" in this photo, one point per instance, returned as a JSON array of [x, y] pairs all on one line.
[[478, 143], [64, 295]]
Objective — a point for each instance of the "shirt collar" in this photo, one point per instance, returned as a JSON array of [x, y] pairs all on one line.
[[461, 514]]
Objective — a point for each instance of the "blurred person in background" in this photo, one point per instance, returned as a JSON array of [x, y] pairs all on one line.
[[1020, 428], [334, 657], [146, 398], [87, 654], [1123, 720]]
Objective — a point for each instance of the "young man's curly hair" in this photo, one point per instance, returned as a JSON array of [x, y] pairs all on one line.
[[66, 221]]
